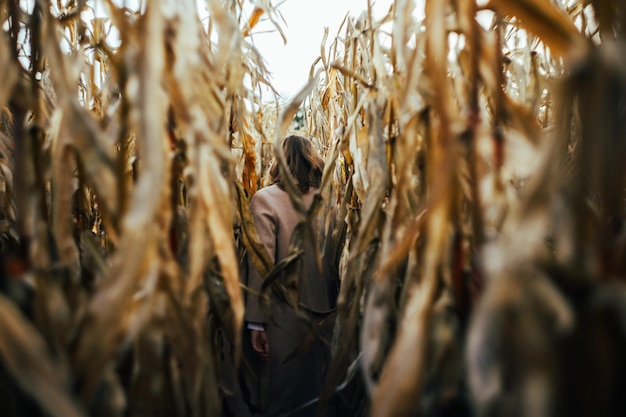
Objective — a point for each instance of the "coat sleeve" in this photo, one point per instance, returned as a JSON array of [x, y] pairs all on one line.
[[266, 225]]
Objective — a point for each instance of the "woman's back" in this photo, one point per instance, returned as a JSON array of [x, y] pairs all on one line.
[[276, 220], [293, 372]]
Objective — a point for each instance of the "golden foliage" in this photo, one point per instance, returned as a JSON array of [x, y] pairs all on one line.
[[475, 162]]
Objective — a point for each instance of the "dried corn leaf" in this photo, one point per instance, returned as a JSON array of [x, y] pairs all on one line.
[[546, 21], [24, 354], [253, 20]]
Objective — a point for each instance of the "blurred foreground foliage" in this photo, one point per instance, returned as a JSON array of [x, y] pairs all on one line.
[[475, 157]]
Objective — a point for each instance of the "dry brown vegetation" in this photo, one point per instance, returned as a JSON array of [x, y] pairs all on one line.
[[478, 168]]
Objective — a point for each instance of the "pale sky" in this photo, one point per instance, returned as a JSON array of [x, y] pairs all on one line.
[[304, 29]]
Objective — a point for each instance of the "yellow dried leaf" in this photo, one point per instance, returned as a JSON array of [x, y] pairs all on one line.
[[545, 20], [254, 19], [25, 356]]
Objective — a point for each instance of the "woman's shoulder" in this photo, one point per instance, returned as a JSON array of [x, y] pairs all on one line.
[[268, 192], [273, 194], [268, 195]]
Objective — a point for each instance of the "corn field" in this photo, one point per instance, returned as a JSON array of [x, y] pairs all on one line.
[[475, 158]]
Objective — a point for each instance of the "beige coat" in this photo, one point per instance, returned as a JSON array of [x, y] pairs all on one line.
[[285, 384]]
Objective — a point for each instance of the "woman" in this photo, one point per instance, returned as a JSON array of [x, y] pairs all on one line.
[[291, 380]]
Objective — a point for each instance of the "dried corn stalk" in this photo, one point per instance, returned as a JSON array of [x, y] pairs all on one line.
[[475, 159], [117, 200], [472, 185]]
